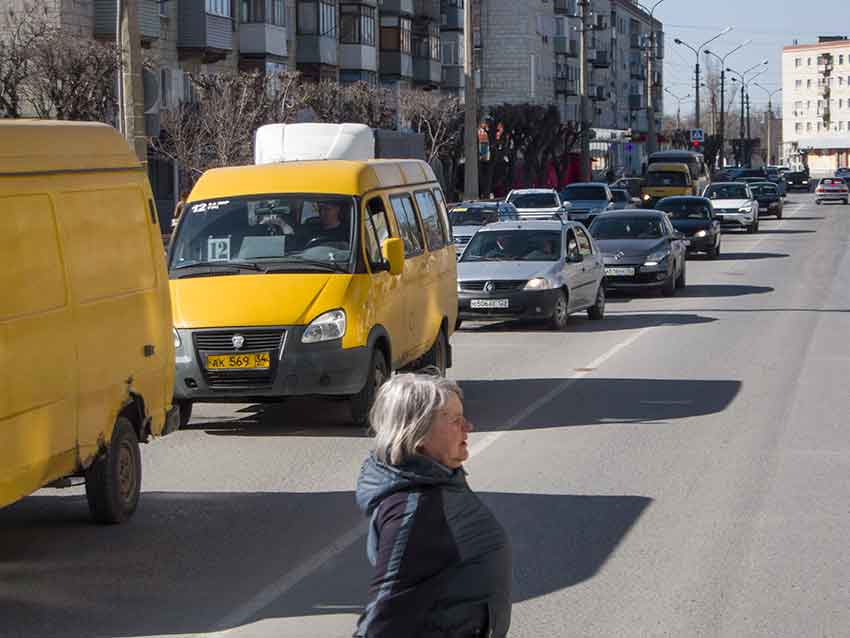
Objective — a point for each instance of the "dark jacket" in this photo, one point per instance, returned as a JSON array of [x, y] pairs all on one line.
[[442, 560]]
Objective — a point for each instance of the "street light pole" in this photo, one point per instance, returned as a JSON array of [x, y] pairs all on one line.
[[678, 99], [770, 95], [651, 135], [585, 122], [470, 122], [722, 154], [697, 51], [744, 82]]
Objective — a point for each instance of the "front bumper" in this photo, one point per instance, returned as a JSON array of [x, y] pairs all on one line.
[[702, 244], [735, 220], [645, 277], [295, 368], [585, 217], [521, 304], [771, 208]]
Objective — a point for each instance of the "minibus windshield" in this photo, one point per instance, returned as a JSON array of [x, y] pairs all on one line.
[[270, 233]]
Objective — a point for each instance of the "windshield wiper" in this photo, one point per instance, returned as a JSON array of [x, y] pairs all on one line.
[[230, 265], [298, 261]]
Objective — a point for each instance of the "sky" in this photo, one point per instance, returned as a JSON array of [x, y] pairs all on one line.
[[770, 24]]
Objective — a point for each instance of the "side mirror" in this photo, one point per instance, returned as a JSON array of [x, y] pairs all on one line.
[[393, 251], [566, 206]]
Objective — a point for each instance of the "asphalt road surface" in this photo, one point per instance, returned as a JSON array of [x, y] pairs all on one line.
[[680, 469]]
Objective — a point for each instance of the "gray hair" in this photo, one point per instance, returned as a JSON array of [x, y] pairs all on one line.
[[404, 410]]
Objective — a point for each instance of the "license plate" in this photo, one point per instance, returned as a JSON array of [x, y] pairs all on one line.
[[619, 272], [488, 303], [253, 361]]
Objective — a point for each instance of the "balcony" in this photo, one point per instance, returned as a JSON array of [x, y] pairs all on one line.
[[636, 41], [637, 71], [451, 17], [260, 39], [398, 7], [105, 18], [566, 86], [635, 102], [452, 78], [427, 72], [427, 9], [396, 65], [565, 7], [598, 93], [600, 58], [359, 57], [201, 34], [563, 44]]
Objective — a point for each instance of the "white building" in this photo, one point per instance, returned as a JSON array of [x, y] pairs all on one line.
[[816, 104]]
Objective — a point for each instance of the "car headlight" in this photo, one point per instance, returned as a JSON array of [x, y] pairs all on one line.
[[745, 209], [177, 341], [646, 197], [330, 325], [805, 181], [538, 283], [701, 233], [657, 257]]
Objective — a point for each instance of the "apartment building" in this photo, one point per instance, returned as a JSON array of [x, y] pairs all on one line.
[[530, 53], [816, 104]]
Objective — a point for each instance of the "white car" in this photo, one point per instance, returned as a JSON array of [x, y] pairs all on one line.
[[832, 189], [538, 203], [734, 205]]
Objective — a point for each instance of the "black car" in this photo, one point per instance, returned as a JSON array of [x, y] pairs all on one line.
[[641, 250], [798, 180], [631, 184], [769, 198], [694, 218]]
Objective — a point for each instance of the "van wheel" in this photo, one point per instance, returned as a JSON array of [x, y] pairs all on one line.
[[114, 481], [558, 320], [437, 357], [362, 402], [185, 412]]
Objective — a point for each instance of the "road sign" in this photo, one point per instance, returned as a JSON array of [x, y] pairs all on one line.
[[697, 135]]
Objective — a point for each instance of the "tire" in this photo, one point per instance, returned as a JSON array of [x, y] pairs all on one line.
[[818, 202], [558, 320], [597, 311], [114, 480], [458, 324], [361, 402], [185, 411], [715, 252], [438, 356], [779, 214], [753, 228], [669, 287], [681, 279]]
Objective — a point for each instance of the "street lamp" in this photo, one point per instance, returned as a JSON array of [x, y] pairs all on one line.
[[678, 99], [722, 156], [697, 51], [770, 95], [744, 84], [651, 136]]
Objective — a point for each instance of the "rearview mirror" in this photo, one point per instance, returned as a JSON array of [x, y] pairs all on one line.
[[393, 251]]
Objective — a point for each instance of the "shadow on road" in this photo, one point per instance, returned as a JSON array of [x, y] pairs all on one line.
[[785, 231], [800, 218], [495, 405], [186, 560], [579, 323], [739, 256], [722, 290]]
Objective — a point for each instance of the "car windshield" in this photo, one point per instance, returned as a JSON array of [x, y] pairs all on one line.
[[829, 181], [685, 209], [578, 193], [666, 178], [284, 232], [727, 191], [626, 228], [474, 216], [764, 189], [620, 196], [514, 245], [534, 200]]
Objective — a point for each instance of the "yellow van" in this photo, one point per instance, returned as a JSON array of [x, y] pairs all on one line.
[[665, 180], [310, 278], [86, 344]]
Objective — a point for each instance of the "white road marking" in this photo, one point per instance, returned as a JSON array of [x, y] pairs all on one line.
[[250, 609]]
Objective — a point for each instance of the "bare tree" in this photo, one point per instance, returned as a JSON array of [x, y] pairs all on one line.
[[359, 103], [438, 117], [19, 31]]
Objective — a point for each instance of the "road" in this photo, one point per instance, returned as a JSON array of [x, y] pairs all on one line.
[[679, 469]]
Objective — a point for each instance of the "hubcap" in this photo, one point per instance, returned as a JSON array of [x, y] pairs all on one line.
[[561, 309], [126, 473]]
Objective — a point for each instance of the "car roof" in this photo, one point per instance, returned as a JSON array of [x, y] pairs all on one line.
[[542, 224], [685, 198], [524, 191], [482, 203], [633, 213], [727, 184], [599, 184]]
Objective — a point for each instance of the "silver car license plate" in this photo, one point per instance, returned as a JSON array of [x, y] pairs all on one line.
[[619, 271], [488, 303]]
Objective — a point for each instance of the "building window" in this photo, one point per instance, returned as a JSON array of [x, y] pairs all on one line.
[[808, 127], [327, 19], [840, 81], [219, 8], [452, 53], [434, 37], [808, 84], [798, 84], [798, 62], [798, 127], [809, 62], [396, 34], [818, 127], [264, 11], [840, 103], [841, 59], [308, 20], [841, 126], [357, 24]]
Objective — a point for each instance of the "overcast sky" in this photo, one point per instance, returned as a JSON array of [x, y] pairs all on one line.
[[770, 24]]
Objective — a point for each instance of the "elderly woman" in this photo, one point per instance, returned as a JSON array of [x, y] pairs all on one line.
[[442, 561]]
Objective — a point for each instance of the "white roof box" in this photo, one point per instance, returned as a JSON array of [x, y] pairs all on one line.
[[276, 143]]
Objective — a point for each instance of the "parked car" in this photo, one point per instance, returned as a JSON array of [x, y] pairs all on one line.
[[769, 199], [798, 180], [631, 184], [694, 218], [641, 250], [734, 205], [467, 217], [587, 200], [832, 189], [537, 203], [531, 270], [623, 200]]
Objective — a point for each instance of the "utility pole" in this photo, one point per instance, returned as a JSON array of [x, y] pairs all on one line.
[[749, 134], [132, 106], [583, 11], [770, 94], [722, 154], [470, 131], [697, 52]]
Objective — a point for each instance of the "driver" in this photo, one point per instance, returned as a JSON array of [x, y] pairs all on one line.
[[502, 249], [332, 230]]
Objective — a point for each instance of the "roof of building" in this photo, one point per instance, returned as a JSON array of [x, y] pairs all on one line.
[[824, 142], [45, 146], [833, 44]]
